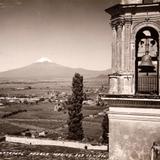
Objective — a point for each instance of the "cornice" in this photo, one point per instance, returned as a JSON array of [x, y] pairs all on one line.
[[131, 101], [129, 20], [138, 114], [128, 117], [121, 9]]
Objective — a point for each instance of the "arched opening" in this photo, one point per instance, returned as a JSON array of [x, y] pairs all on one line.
[[147, 64]]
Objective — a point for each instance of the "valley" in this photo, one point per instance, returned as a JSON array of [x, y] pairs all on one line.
[[38, 108], [42, 114]]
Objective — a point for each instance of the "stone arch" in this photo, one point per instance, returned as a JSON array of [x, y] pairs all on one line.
[[134, 32], [141, 25], [155, 32]]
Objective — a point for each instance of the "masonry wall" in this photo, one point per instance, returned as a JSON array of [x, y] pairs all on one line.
[[132, 136]]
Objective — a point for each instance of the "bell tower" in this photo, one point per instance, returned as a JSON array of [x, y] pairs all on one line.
[[134, 86], [135, 48]]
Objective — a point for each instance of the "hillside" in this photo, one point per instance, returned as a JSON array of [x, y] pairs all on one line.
[[47, 71]]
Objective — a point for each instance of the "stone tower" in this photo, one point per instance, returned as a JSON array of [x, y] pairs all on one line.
[[133, 98], [130, 20]]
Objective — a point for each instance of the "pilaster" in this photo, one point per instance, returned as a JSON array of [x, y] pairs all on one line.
[[119, 45], [114, 49], [127, 46]]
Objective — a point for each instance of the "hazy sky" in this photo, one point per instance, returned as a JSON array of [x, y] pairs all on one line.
[[74, 33]]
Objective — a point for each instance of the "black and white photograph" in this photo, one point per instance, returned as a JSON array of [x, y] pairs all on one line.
[[79, 79]]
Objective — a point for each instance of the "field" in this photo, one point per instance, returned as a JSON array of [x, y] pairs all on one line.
[[43, 117], [13, 88]]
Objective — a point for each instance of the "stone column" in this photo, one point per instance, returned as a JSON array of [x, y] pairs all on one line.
[[127, 47], [122, 81], [114, 51], [119, 45]]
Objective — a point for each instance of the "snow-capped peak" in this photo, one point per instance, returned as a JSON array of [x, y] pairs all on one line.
[[44, 59]]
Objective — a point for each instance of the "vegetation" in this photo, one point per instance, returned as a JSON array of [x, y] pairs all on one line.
[[13, 113], [105, 128], [43, 116], [75, 130], [7, 128]]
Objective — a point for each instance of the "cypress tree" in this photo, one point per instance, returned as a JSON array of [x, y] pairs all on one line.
[[105, 129], [75, 130]]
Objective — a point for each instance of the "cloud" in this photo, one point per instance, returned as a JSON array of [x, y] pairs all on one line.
[[10, 3]]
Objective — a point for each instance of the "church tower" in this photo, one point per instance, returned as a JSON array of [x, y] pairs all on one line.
[[136, 31], [134, 86]]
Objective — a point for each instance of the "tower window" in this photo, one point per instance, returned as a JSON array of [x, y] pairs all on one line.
[[147, 64]]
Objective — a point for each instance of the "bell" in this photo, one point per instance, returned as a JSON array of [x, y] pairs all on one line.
[[146, 64]]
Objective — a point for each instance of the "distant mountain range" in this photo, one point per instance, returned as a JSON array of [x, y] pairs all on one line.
[[47, 70]]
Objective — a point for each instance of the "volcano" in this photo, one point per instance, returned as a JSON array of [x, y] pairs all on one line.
[[45, 69]]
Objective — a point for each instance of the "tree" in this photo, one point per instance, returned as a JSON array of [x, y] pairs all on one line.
[[75, 130], [105, 129]]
